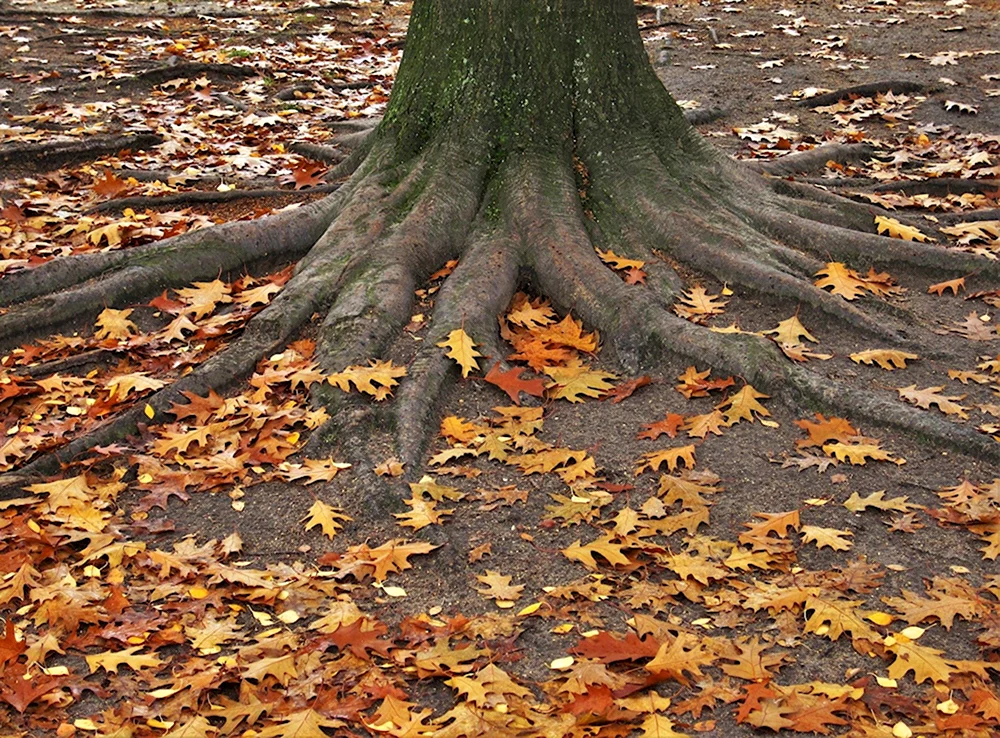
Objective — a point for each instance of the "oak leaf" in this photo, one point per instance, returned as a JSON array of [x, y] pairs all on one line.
[[574, 382], [791, 331], [697, 384], [975, 329], [619, 263], [829, 537], [365, 378], [202, 298], [895, 229], [777, 523], [672, 457], [888, 359], [669, 426], [942, 606], [302, 724], [750, 662], [498, 587], [841, 281], [328, 518], [605, 547], [858, 453], [681, 657], [697, 305], [462, 349], [855, 503], [823, 430], [955, 285], [422, 513], [925, 662], [657, 725], [933, 396], [112, 660], [530, 313], [314, 470], [744, 406], [699, 426], [510, 382], [114, 324]]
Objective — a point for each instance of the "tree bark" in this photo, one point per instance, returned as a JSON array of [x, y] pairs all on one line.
[[533, 75]]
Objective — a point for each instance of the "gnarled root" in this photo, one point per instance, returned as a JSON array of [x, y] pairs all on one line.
[[370, 244]]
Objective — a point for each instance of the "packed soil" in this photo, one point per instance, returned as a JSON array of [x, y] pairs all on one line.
[[754, 62]]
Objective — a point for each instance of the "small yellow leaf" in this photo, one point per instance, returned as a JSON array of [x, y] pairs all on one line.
[[148, 410], [462, 349], [948, 707], [564, 663], [913, 632], [530, 609], [901, 730], [895, 229], [887, 682]]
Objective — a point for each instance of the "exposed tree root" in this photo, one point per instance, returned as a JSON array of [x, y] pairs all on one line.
[[167, 72], [809, 161], [867, 90], [80, 286], [700, 117], [367, 247], [478, 291], [55, 154], [200, 197], [941, 186], [970, 217], [318, 152]]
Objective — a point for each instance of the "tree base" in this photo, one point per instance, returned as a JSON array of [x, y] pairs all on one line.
[[365, 249]]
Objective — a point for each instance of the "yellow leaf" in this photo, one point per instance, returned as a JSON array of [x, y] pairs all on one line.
[[114, 324], [576, 381], [888, 359], [111, 660], [829, 537], [461, 348], [744, 406], [203, 297], [620, 263], [365, 378], [895, 229], [672, 457], [328, 518], [791, 331], [697, 305], [855, 503], [841, 281]]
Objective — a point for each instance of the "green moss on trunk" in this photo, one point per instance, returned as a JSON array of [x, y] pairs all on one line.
[[532, 76]]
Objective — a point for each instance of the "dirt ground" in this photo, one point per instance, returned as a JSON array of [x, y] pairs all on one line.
[[70, 69]]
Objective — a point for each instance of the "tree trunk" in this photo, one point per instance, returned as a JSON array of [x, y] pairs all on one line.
[[522, 136], [532, 75]]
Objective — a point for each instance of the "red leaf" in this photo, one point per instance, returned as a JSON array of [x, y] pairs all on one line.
[[669, 425], [755, 693], [110, 186], [10, 647], [625, 389], [510, 382], [609, 649]]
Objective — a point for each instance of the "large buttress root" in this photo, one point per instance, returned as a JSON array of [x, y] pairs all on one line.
[[434, 207], [641, 331], [472, 297], [80, 286], [313, 285]]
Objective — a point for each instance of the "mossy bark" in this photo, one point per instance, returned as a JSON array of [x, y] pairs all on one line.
[[533, 75]]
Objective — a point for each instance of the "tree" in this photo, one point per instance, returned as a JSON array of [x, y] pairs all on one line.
[[519, 136]]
